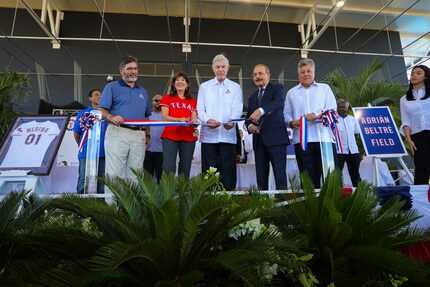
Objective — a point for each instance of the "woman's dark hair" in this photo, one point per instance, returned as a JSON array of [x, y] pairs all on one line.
[[173, 92], [409, 95]]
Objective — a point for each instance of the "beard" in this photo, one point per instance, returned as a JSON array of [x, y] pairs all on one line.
[[132, 79]]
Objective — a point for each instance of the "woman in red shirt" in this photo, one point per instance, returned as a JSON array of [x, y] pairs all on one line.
[[179, 106]]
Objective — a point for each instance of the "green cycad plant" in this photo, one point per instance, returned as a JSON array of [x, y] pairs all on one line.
[[175, 233], [18, 213], [36, 238], [355, 242], [363, 88], [12, 86]]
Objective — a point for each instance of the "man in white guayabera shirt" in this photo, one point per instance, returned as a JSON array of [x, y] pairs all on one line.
[[348, 128], [308, 99], [219, 101]]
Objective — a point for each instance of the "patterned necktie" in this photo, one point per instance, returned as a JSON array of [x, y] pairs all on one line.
[[260, 96]]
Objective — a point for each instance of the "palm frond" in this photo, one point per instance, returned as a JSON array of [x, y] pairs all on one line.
[[376, 258], [363, 88], [33, 208], [13, 87], [193, 242], [373, 93], [151, 252], [108, 218], [361, 204], [78, 273], [9, 206], [345, 227], [240, 263], [365, 76]]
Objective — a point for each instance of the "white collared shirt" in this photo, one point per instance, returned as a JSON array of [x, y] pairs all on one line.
[[221, 102], [301, 101], [415, 114], [348, 127]]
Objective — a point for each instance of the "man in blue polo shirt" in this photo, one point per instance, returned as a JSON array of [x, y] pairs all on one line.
[[125, 100], [93, 97]]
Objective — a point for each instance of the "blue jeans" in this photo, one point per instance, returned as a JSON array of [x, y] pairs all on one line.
[[81, 178], [171, 149]]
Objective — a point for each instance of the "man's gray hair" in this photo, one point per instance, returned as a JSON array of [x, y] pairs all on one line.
[[125, 60], [265, 67], [304, 62], [342, 101], [219, 58]]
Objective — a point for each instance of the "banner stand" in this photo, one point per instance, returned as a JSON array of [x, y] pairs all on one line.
[[375, 166], [375, 169], [19, 180], [406, 169]]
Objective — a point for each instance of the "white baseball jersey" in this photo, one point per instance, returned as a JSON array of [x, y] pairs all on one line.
[[30, 142]]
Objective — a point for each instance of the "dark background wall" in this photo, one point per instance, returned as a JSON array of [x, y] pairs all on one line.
[[100, 58]]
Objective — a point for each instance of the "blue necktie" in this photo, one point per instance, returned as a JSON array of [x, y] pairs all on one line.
[[260, 96]]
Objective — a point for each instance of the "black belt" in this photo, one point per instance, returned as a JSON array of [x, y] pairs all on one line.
[[132, 127]]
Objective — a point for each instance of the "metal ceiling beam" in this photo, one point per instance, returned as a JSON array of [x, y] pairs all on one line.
[[120, 7], [54, 22], [354, 8], [217, 45], [186, 47], [311, 35], [412, 36]]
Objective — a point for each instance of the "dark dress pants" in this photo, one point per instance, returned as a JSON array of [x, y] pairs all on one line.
[[353, 163], [422, 157], [153, 164], [310, 161], [171, 149], [277, 156], [222, 156]]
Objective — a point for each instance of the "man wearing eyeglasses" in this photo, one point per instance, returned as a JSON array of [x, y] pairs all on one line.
[[124, 99], [265, 120], [154, 153]]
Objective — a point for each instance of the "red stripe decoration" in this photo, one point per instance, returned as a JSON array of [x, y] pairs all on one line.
[[339, 147], [168, 123], [156, 123], [83, 139], [303, 133], [86, 122]]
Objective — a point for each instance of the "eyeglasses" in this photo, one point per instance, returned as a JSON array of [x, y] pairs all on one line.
[[157, 101]]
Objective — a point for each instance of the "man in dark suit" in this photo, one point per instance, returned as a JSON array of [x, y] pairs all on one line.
[[265, 120]]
